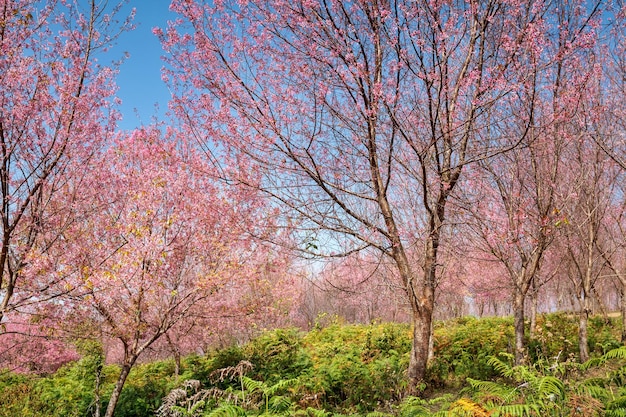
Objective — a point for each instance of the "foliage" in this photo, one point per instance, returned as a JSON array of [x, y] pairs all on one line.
[[343, 370], [540, 390], [145, 388], [463, 347], [15, 392], [278, 354], [357, 367], [557, 336]]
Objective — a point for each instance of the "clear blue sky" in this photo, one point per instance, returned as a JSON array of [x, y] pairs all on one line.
[[140, 85]]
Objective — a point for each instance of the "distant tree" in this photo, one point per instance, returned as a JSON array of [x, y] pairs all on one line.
[[517, 204], [593, 178]]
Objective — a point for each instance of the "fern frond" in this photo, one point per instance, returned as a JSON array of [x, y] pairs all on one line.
[[281, 385], [618, 353], [442, 399], [440, 413], [226, 410], [499, 391], [593, 390], [314, 412], [467, 407], [516, 410], [551, 386], [500, 366], [280, 403], [251, 385], [616, 408], [415, 411], [593, 363], [414, 407]]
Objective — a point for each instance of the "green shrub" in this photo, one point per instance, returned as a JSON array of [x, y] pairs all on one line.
[[16, 392], [144, 388], [463, 347], [557, 337], [357, 368], [278, 354]]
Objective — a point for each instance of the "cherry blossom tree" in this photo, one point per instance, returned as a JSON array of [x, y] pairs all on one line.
[[34, 344], [358, 116], [612, 243], [159, 243], [517, 205], [612, 137], [359, 288], [55, 110], [594, 179]]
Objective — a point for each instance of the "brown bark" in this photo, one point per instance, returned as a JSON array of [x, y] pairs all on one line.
[[518, 324], [117, 391], [419, 352], [176, 353], [533, 311], [623, 309], [582, 329], [96, 393]]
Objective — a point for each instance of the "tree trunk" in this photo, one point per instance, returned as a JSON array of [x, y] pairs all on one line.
[[96, 391], [623, 310], [419, 351], [582, 329], [533, 311], [518, 323], [422, 299], [115, 395], [176, 353], [600, 305], [431, 342]]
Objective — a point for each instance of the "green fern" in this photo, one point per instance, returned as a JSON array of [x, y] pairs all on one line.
[[525, 391], [550, 387], [250, 385], [419, 407], [516, 410], [312, 412], [593, 388], [617, 407], [618, 353], [414, 407], [280, 403], [500, 366], [226, 410], [502, 392]]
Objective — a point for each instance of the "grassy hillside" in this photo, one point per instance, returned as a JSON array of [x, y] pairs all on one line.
[[351, 370]]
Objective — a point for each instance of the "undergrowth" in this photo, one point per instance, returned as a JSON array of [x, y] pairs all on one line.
[[351, 370]]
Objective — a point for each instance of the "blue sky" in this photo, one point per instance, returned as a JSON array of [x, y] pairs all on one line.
[[139, 80]]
